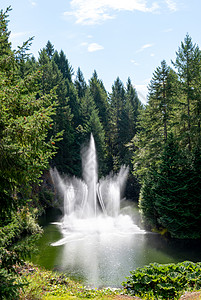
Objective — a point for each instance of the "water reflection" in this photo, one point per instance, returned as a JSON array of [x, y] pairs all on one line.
[[104, 258]]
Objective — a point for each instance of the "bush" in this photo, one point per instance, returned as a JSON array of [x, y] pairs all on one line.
[[164, 281], [17, 240]]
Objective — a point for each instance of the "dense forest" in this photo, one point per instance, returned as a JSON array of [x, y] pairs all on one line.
[[47, 112]]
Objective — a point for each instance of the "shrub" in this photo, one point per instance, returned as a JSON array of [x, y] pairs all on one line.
[[17, 240], [166, 281]]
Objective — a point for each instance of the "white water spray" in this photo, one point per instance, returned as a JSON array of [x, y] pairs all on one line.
[[92, 207]]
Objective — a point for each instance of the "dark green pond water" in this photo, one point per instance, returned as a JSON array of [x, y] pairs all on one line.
[[102, 260]]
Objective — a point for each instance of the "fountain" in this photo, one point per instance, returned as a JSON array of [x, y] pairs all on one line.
[[92, 206], [97, 241]]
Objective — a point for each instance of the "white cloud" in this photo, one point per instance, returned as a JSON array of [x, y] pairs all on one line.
[[134, 62], [147, 46], [90, 12], [144, 47], [171, 5], [94, 47], [33, 3], [168, 30]]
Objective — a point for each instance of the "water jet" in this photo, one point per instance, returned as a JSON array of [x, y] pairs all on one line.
[[95, 232], [92, 206]]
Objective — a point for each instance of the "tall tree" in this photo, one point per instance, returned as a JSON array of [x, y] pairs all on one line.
[[91, 124], [63, 65], [117, 102], [52, 78], [24, 124], [80, 84], [169, 201], [187, 64], [99, 95], [156, 120], [49, 49]]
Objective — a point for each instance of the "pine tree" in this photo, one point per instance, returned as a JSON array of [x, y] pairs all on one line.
[[156, 120], [117, 103], [24, 123], [63, 65], [168, 192], [49, 49], [188, 64], [99, 95], [53, 79], [147, 199], [80, 84]]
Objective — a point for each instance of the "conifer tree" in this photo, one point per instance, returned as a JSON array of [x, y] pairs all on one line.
[[24, 123], [168, 199], [91, 124], [99, 95], [156, 120], [52, 78], [188, 67], [63, 65], [80, 84], [49, 49], [117, 102]]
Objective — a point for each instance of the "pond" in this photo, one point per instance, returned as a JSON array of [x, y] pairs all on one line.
[[103, 259], [99, 239]]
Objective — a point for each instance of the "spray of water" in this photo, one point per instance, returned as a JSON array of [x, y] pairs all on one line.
[[92, 206]]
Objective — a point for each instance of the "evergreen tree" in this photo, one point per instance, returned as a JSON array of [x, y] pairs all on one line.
[[63, 65], [128, 120], [156, 120], [91, 124], [5, 45], [117, 102], [127, 129], [167, 197], [49, 49], [80, 84], [24, 123], [52, 78], [147, 199], [188, 66], [99, 95]]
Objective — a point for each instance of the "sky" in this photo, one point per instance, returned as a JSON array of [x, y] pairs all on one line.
[[117, 38]]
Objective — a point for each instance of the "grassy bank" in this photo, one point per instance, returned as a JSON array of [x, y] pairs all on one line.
[[42, 284], [48, 285]]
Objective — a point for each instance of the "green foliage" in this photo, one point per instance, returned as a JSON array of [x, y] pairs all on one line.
[[26, 147], [25, 150], [51, 285], [17, 240], [80, 84], [164, 281], [146, 200], [166, 166], [169, 195], [124, 109], [188, 62], [156, 120]]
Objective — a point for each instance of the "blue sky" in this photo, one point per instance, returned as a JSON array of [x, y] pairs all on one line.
[[125, 38]]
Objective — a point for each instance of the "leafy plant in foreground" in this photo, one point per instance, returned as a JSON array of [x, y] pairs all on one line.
[[164, 281], [17, 240]]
